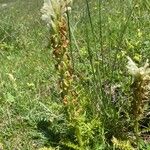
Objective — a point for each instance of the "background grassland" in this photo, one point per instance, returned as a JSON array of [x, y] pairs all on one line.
[[102, 34]]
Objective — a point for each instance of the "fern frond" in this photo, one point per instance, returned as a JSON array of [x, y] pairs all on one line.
[[122, 145]]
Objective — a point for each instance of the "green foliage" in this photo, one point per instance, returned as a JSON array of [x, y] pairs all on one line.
[[122, 145], [102, 34]]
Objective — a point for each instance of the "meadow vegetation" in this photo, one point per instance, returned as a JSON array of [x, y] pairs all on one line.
[[101, 104]]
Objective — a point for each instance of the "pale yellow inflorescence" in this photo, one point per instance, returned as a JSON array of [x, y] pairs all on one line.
[[142, 73], [53, 10]]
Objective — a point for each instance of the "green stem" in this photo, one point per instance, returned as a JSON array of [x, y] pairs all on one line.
[[79, 137], [136, 130]]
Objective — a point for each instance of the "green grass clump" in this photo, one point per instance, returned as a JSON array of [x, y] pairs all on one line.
[[101, 34]]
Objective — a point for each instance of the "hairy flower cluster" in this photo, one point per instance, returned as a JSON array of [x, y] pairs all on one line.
[[53, 10], [140, 88], [140, 73]]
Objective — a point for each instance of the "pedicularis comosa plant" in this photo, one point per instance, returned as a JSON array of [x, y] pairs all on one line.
[[140, 92], [54, 14]]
